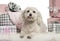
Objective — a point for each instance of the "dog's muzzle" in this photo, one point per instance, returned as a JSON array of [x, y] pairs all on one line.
[[30, 14]]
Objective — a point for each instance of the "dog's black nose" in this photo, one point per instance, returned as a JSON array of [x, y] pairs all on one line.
[[30, 14]]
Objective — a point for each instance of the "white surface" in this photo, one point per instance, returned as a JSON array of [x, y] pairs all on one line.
[[37, 37]]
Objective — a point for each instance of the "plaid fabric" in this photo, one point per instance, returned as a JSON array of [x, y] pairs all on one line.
[[54, 27], [8, 29], [50, 27], [5, 20]]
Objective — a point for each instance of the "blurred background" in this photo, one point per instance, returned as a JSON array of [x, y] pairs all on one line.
[[41, 5]]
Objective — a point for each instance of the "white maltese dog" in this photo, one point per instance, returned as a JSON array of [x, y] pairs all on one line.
[[32, 22]]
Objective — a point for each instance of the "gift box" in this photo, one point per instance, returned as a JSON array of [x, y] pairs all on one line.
[[8, 18], [6, 25], [54, 8], [54, 21], [54, 25]]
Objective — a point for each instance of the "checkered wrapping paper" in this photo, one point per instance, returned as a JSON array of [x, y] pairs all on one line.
[[5, 20], [54, 27], [6, 25]]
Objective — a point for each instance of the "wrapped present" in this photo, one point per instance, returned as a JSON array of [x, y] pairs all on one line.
[[54, 8], [6, 25], [5, 20], [54, 25], [6, 15], [54, 11]]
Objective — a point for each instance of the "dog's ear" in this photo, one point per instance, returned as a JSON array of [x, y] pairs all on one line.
[[39, 19], [23, 17], [40, 23]]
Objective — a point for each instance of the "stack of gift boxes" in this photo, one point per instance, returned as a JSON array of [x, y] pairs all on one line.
[[54, 20], [9, 15], [6, 25]]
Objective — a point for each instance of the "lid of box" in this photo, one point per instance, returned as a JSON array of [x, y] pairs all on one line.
[[3, 7]]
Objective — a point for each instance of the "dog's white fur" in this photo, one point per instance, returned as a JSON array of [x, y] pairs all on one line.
[[32, 24]]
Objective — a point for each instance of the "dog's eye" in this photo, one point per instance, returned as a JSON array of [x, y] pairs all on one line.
[[34, 12], [28, 11], [12, 3]]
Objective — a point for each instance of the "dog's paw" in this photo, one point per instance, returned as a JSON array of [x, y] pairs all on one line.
[[21, 36], [29, 37]]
